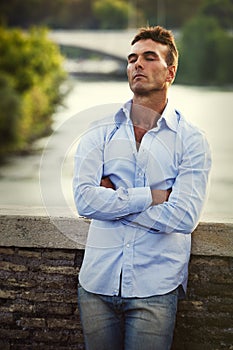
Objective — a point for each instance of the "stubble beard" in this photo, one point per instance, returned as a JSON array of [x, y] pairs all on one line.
[[144, 91]]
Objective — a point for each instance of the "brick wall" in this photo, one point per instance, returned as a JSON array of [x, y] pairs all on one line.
[[38, 288], [38, 298], [205, 317]]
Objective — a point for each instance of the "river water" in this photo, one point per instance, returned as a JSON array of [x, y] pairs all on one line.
[[31, 180]]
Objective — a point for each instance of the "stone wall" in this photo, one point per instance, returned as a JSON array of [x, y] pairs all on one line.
[[38, 299], [38, 275]]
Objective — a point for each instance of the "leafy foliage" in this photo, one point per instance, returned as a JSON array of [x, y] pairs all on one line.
[[206, 53], [111, 14], [31, 74], [9, 113], [222, 10], [117, 14], [81, 14]]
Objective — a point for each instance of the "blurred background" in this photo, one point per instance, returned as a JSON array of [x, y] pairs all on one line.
[[59, 58]]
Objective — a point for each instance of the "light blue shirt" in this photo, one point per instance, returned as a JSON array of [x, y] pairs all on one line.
[[148, 246]]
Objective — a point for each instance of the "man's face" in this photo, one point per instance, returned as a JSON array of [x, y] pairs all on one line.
[[147, 69]]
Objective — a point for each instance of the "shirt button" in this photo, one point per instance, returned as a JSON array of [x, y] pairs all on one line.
[[128, 245]]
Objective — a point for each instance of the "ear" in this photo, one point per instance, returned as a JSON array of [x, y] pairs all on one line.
[[171, 74]]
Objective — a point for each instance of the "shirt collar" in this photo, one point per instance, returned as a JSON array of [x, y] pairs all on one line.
[[169, 115], [123, 115]]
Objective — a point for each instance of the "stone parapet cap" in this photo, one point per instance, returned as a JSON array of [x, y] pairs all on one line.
[[32, 227]]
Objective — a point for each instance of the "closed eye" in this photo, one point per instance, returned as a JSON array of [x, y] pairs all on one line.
[[148, 56], [132, 58], [151, 56]]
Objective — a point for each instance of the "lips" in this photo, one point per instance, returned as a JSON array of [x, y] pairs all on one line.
[[138, 75]]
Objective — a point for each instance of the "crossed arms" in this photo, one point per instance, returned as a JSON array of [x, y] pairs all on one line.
[[166, 211], [158, 196]]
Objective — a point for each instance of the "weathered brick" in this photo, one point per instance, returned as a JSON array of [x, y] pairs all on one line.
[[213, 262], [22, 307], [26, 323], [52, 308], [6, 318], [193, 346], [13, 282], [52, 336], [9, 266], [29, 253], [211, 289], [59, 255], [4, 344], [55, 281], [63, 323], [13, 334], [191, 305], [6, 251], [66, 270], [44, 346], [225, 305], [48, 296], [8, 294]]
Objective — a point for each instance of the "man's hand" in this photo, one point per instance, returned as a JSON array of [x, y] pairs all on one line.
[[160, 196], [107, 183]]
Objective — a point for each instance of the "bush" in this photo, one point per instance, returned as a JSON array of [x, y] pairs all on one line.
[[112, 14], [222, 10], [10, 110], [206, 53], [31, 71]]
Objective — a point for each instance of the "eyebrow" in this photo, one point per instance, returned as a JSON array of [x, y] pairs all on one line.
[[146, 53]]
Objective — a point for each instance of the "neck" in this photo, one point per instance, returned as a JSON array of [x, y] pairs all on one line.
[[156, 100], [146, 110]]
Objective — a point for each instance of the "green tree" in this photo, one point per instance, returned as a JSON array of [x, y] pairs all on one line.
[[112, 14], [222, 10], [54, 14], [33, 67], [205, 53], [10, 109], [168, 13]]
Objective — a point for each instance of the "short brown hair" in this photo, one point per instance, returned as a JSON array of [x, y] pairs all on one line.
[[163, 36]]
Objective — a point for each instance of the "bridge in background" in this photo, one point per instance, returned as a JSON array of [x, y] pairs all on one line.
[[115, 44]]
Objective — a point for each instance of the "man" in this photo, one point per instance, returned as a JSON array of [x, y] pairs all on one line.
[[141, 176]]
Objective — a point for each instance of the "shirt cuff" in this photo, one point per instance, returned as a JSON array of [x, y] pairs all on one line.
[[140, 198]]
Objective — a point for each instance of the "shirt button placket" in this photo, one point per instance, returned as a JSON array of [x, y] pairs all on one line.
[[127, 282]]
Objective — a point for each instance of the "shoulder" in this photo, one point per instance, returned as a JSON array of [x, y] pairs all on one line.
[[187, 128], [103, 122], [192, 138]]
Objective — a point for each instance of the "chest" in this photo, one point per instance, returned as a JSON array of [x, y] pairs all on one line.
[[151, 155]]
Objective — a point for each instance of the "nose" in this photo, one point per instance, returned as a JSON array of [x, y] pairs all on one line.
[[139, 62]]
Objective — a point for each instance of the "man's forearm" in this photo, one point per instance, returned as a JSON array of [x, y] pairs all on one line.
[[158, 196]]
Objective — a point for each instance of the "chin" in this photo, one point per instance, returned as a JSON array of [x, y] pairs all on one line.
[[143, 90], [139, 89]]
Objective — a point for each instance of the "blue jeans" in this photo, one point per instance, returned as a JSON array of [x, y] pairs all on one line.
[[116, 323]]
